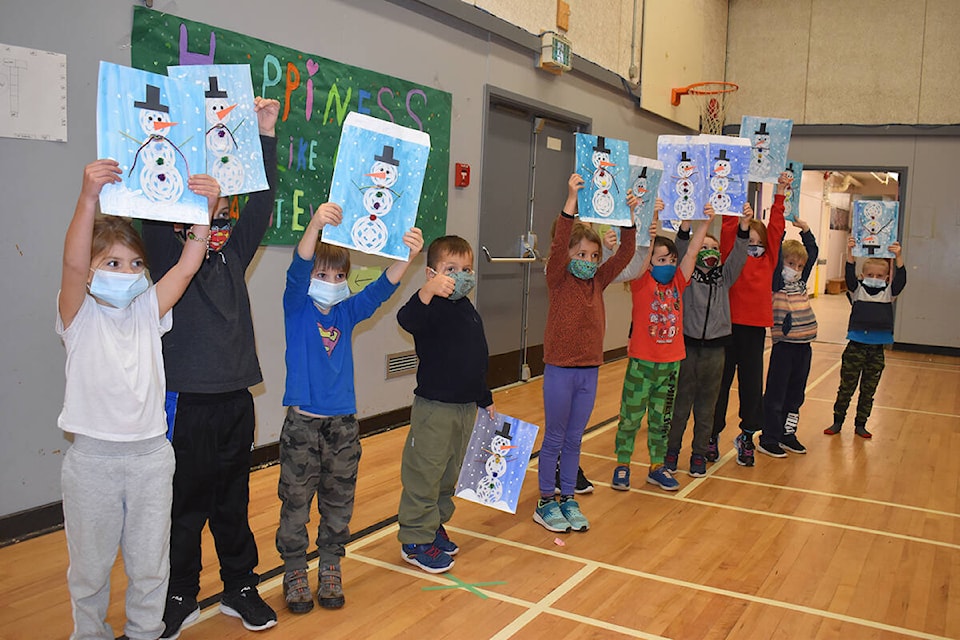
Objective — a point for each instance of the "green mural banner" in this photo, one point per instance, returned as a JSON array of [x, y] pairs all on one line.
[[315, 95]]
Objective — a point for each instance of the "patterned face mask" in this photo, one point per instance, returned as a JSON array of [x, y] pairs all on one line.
[[789, 274], [583, 269], [463, 284], [755, 250], [708, 258], [219, 233]]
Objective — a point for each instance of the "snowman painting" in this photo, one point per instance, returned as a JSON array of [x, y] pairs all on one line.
[[603, 201], [874, 228], [721, 182], [160, 180], [369, 232], [873, 225], [222, 161], [639, 187], [684, 186], [769, 141], [789, 194], [761, 149], [490, 486], [645, 174]]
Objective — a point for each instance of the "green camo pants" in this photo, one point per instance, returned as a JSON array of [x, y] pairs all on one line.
[[646, 385], [861, 364]]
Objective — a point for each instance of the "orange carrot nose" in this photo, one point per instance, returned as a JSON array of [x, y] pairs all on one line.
[[607, 164], [163, 125], [378, 174], [641, 190], [223, 113]]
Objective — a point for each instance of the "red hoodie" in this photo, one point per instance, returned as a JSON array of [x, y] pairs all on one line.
[[751, 296]]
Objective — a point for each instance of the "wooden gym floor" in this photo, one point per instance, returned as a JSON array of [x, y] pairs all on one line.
[[856, 539]]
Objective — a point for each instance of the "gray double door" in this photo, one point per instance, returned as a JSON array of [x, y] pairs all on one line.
[[528, 156]]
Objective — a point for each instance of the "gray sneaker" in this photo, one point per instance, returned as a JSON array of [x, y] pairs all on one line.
[[571, 511], [330, 592]]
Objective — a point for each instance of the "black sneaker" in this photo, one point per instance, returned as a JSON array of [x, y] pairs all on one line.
[[713, 450], [791, 444], [744, 446], [247, 605], [583, 485], [179, 612], [772, 449]]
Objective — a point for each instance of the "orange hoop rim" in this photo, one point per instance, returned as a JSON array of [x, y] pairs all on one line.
[[698, 89]]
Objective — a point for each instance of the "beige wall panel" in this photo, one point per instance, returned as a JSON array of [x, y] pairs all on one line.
[[864, 62], [767, 57], [941, 70], [675, 45]]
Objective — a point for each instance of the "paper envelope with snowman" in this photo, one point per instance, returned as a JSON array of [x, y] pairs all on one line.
[[496, 461]]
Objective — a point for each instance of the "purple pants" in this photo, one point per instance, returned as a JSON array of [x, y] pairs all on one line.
[[568, 397]]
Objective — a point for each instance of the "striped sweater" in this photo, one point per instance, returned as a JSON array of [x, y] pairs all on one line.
[[793, 317]]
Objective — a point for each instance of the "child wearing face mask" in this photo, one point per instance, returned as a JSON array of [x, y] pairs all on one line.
[[794, 328], [706, 332], [572, 355], [656, 349], [320, 438], [869, 329], [117, 475], [451, 383], [751, 312]]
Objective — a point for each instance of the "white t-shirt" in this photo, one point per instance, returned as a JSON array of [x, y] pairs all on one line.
[[115, 381]]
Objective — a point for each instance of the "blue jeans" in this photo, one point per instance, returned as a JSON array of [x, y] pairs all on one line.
[[568, 397]]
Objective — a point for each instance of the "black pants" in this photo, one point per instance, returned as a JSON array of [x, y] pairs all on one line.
[[212, 436], [787, 375], [744, 355]]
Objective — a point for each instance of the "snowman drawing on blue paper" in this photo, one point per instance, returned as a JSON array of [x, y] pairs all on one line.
[[160, 180], [370, 232], [224, 165], [721, 183], [761, 149], [789, 198], [639, 188], [684, 206], [490, 486], [873, 225], [603, 180]]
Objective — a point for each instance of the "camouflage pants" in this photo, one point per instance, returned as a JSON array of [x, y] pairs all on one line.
[[318, 456], [646, 385], [861, 364]]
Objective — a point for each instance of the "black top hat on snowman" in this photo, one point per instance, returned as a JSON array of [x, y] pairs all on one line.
[[601, 145], [387, 157], [152, 101], [214, 91], [504, 431], [722, 155], [684, 157], [762, 131], [643, 172]]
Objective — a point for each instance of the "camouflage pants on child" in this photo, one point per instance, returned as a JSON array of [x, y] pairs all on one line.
[[318, 456], [861, 364]]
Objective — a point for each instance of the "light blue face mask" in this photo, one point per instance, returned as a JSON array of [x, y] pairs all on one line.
[[116, 288], [875, 283], [328, 294], [463, 283], [583, 269]]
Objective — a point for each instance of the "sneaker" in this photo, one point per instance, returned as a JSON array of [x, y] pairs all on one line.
[[793, 445], [713, 450], [551, 517], [296, 591], [443, 542], [670, 461], [771, 449], [426, 556], [621, 478], [662, 477], [861, 430], [330, 589], [571, 511], [698, 466], [744, 446], [583, 485], [179, 612], [247, 605]]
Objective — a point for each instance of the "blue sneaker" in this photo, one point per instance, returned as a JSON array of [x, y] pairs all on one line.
[[426, 556], [698, 466], [661, 476], [621, 478], [549, 515], [571, 511], [670, 461], [443, 542]]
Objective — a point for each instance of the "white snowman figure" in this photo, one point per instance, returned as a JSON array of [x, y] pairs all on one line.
[[789, 201], [490, 486], [160, 180], [222, 161], [684, 186], [720, 182], [370, 232], [603, 180], [639, 188], [872, 226], [761, 149]]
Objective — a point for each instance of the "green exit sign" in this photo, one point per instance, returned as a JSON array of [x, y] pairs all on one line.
[[556, 53]]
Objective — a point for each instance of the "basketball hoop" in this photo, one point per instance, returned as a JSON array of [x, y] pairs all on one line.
[[711, 98]]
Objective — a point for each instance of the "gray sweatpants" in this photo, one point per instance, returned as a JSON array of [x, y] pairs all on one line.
[[118, 494]]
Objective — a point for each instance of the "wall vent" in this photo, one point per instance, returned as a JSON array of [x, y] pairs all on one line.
[[401, 364]]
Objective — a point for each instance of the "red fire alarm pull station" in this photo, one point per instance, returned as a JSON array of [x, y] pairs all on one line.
[[462, 177]]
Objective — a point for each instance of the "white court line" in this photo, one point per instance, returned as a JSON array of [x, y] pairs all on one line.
[[877, 406]]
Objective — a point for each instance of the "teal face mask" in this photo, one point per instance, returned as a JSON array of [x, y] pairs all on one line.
[[118, 289], [463, 284], [583, 269]]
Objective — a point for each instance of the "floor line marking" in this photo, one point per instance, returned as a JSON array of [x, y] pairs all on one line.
[[877, 406]]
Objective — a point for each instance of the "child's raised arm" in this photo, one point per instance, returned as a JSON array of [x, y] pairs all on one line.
[[76, 246], [696, 241], [414, 241], [327, 213], [175, 281]]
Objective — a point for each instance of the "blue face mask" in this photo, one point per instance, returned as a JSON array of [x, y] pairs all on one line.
[[875, 283], [583, 269], [755, 250], [118, 289], [463, 284], [328, 294], [663, 273]]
